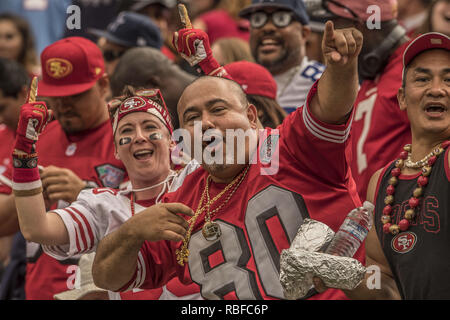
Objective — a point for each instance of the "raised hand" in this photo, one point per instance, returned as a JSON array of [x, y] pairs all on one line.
[[341, 46], [193, 45], [34, 116]]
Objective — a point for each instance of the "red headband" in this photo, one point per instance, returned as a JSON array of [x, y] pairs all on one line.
[[150, 101]]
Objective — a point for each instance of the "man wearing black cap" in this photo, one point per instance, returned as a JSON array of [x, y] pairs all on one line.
[[278, 32], [128, 30]]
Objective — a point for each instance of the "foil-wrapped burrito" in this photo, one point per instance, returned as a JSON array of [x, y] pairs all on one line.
[[312, 236], [305, 259]]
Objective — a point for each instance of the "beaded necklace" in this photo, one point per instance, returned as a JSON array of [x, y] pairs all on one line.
[[426, 164]]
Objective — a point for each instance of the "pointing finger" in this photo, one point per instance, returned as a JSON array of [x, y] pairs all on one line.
[[33, 90], [329, 31]]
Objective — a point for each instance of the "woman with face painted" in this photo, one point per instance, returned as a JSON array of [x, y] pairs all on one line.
[[142, 136]]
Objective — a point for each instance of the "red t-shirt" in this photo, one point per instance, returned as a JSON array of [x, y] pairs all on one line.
[[302, 172], [90, 155], [220, 24], [7, 137], [380, 129]]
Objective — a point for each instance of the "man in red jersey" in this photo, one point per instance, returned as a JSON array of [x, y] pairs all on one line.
[[245, 212], [379, 128], [77, 151]]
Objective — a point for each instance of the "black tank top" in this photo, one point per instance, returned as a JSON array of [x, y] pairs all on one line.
[[420, 256]]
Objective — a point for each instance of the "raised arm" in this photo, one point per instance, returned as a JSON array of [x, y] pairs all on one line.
[[116, 259], [338, 85], [194, 47], [36, 225]]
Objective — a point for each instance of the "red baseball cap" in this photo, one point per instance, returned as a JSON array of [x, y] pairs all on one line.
[[349, 8], [70, 66], [253, 78], [427, 41]]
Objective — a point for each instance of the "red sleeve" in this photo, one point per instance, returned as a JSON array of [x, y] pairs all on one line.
[[156, 265], [6, 181], [318, 146]]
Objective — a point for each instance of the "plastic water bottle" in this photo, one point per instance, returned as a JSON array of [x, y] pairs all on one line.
[[352, 232]]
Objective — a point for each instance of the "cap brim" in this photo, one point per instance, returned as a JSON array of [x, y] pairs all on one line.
[[108, 36], [428, 41], [76, 294], [142, 4], [50, 90]]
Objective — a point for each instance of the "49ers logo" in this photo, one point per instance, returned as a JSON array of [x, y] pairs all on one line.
[[58, 68], [131, 104], [404, 242]]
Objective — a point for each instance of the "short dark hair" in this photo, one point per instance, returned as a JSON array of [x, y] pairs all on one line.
[[272, 113], [13, 77]]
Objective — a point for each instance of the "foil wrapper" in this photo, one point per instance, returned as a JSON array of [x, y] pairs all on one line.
[[312, 236], [304, 260], [298, 267]]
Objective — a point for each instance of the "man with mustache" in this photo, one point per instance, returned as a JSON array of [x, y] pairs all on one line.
[[278, 32], [76, 151]]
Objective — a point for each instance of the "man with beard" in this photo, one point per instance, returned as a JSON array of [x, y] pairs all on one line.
[[76, 151], [278, 33]]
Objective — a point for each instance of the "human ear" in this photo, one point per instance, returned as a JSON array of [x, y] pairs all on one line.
[[401, 98], [252, 115]]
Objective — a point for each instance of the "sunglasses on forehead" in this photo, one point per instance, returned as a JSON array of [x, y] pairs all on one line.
[[280, 19]]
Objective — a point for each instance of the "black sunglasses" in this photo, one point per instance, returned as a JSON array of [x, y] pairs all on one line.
[[111, 55]]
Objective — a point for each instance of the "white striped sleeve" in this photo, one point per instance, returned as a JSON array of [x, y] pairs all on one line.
[[321, 131], [81, 227], [139, 276]]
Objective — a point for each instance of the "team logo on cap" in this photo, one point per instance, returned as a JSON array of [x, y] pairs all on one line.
[[132, 103], [58, 68]]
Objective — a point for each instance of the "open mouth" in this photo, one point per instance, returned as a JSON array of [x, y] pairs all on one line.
[[435, 109], [268, 45], [143, 154]]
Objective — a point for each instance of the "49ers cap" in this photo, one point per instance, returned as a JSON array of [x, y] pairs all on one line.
[[70, 66]]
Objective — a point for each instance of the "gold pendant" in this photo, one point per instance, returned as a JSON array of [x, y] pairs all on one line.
[[211, 231], [182, 255]]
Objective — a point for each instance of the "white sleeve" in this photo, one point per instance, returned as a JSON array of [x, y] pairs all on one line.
[[83, 226]]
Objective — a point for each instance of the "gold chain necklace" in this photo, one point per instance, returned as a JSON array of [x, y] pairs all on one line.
[[210, 230], [418, 164]]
